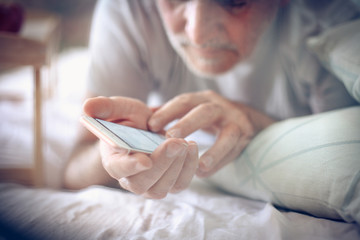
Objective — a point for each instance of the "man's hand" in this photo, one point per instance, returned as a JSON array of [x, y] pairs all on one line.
[[234, 124], [169, 168]]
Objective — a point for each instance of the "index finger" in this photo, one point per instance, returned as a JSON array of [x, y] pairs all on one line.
[[200, 117], [174, 109]]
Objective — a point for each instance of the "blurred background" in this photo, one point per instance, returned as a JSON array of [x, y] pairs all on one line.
[[76, 17], [62, 85]]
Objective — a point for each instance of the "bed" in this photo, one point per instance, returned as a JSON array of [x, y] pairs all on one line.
[[204, 211]]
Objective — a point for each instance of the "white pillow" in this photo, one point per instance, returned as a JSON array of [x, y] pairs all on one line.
[[309, 164], [339, 51]]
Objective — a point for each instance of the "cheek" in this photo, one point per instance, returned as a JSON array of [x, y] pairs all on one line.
[[172, 16], [248, 30]]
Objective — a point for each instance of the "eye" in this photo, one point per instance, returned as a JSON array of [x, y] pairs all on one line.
[[232, 3], [237, 3]]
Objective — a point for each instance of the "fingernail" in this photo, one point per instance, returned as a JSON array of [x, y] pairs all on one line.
[[193, 148], [175, 149], [173, 133], [124, 182], [207, 163], [154, 125]]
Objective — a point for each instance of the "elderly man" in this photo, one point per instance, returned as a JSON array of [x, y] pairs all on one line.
[[230, 67]]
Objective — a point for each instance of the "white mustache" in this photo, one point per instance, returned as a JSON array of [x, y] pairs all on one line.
[[213, 43]]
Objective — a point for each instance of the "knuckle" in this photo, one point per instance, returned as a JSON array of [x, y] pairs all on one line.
[[210, 93], [183, 99], [248, 127], [245, 133], [235, 130], [249, 131], [211, 109], [217, 108]]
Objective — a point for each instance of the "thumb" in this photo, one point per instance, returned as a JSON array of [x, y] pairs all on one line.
[[118, 109]]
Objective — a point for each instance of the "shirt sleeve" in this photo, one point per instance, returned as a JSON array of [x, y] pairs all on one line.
[[118, 65]]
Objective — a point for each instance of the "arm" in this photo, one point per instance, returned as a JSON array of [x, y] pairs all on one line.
[[114, 70], [84, 166]]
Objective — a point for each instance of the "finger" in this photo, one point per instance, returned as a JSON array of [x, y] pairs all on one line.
[[168, 179], [174, 109], [118, 109], [226, 141], [227, 159], [162, 159], [202, 116], [154, 109], [189, 169], [121, 163]]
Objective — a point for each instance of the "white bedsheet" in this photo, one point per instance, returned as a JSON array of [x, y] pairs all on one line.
[[201, 212]]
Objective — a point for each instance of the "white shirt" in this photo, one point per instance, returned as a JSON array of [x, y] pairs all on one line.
[[131, 56]]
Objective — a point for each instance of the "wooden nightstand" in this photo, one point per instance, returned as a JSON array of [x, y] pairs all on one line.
[[36, 45]]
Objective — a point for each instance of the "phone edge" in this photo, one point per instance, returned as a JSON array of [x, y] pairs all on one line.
[[96, 128]]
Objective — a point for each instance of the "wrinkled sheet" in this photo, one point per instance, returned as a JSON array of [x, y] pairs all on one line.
[[200, 212]]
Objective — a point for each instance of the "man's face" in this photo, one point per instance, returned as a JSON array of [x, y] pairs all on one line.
[[212, 36]]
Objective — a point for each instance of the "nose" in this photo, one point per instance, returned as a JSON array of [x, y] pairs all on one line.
[[204, 22]]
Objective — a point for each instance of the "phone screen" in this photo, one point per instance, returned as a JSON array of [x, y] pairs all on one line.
[[137, 139]]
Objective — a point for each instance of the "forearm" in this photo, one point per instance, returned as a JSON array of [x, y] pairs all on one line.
[[84, 168]]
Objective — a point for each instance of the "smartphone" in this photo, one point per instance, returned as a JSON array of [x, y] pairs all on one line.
[[120, 136]]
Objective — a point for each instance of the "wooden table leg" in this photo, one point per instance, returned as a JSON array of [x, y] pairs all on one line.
[[38, 143]]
